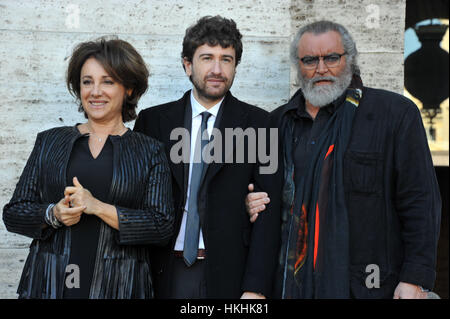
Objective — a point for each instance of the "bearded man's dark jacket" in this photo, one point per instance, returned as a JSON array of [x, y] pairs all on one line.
[[391, 193]]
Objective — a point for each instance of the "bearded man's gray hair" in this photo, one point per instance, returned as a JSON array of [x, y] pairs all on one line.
[[323, 95], [324, 26]]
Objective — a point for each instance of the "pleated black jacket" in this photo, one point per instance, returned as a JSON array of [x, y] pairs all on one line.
[[141, 192]]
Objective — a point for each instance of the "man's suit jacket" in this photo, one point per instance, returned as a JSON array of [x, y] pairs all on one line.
[[240, 256]]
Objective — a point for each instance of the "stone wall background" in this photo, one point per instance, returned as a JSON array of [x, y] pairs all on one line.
[[37, 37]]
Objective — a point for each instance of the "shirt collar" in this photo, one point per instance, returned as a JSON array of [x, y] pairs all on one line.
[[197, 108]]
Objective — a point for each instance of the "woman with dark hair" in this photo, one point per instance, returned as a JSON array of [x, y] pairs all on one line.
[[90, 238]]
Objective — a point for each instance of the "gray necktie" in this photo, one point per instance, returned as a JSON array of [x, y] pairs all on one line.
[[192, 231]]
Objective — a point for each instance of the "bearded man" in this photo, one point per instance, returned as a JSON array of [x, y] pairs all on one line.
[[216, 252], [361, 205]]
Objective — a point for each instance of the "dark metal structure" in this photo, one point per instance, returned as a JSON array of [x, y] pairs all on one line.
[[427, 69]]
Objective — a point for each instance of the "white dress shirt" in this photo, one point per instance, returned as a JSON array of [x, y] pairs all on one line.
[[197, 109]]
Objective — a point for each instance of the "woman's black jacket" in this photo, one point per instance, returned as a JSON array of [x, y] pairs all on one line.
[[141, 192]]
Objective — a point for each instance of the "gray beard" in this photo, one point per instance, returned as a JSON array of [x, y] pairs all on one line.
[[322, 95]]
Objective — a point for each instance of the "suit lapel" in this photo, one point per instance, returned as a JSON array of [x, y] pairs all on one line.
[[187, 125], [174, 117], [231, 115]]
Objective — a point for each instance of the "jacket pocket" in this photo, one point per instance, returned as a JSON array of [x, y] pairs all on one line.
[[366, 206], [372, 281], [364, 172]]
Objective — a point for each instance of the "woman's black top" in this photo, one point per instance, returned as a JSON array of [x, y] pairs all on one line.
[[94, 174]]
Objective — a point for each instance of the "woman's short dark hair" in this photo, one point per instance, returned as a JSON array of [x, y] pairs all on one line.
[[212, 31], [120, 60]]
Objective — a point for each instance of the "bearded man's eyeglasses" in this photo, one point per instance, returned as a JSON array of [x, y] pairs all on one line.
[[331, 60]]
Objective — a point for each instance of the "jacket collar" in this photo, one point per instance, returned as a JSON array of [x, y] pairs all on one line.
[[297, 107], [231, 115]]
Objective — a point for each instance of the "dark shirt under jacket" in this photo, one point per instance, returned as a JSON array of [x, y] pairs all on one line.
[[95, 174], [307, 130]]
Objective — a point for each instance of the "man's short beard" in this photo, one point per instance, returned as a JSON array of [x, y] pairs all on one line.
[[322, 95], [200, 86], [202, 91]]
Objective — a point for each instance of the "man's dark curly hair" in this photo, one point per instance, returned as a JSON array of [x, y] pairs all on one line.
[[212, 31]]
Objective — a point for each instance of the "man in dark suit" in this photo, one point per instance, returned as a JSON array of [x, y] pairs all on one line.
[[216, 252]]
